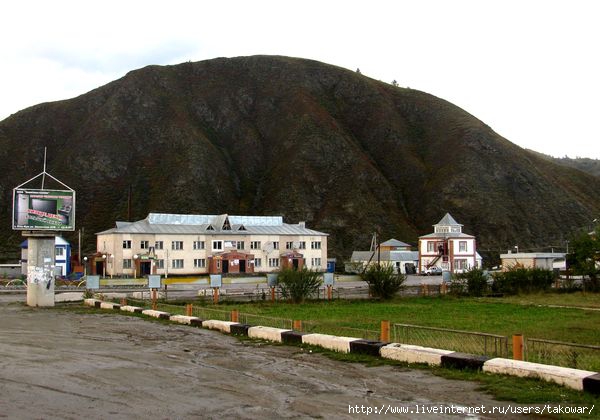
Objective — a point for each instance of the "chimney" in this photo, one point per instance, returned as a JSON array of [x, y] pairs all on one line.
[[302, 224]]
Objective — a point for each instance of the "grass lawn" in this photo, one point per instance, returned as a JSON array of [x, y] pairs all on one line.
[[502, 316]]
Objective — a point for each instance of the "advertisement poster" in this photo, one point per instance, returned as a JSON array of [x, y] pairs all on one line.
[[35, 209]]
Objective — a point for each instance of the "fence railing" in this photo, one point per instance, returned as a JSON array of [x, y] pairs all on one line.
[[578, 356], [456, 340]]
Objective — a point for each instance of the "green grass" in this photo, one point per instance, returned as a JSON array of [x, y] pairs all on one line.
[[495, 316]]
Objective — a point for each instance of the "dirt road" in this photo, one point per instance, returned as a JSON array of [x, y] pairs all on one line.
[[60, 364]]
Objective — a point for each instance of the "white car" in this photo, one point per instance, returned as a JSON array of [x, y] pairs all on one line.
[[432, 271]]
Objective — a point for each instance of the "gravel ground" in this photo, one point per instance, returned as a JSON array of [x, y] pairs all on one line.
[[63, 364]]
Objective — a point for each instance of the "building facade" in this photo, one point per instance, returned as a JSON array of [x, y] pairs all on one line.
[[391, 252], [175, 244], [448, 248], [544, 260]]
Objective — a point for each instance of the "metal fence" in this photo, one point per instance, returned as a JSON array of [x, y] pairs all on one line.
[[578, 356], [456, 340], [369, 332]]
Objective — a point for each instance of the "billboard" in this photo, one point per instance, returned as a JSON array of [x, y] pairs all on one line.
[[35, 209]]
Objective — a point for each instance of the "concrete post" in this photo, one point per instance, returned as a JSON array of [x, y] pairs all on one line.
[[40, 270]]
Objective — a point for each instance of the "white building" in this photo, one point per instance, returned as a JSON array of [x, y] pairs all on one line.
[[448, 248], [177, 244], [392, 252], [545, 260]]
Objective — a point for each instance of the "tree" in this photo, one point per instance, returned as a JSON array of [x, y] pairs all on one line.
[[395, 83], [383, 281], [297, 285], [584, 258]]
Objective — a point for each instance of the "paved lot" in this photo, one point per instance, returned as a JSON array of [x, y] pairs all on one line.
[[61, 364]]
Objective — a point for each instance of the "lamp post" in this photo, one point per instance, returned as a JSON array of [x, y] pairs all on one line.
[[84, 266], [517, 248], [104, 265], [112, 265], [135, 257]]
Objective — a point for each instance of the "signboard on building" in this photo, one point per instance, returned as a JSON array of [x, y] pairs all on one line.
[[42, 209]]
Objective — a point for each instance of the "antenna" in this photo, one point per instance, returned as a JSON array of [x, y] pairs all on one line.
[[44, 173]]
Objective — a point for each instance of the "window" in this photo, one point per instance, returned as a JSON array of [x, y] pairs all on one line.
[[217, 245], [127, 244], [177, 245], [209, 227], [241, 245], [315, 262], [273, 262], [160, 264], [127, 264], [431, 246], [275, 245], [255, 245], [315, 245], [289, 245], [462, 246], [257, 262], [158, 245], [59, 252], [302, 245], [144, 244], [460, 264], [177, 264], [198, 245], [199, 263]]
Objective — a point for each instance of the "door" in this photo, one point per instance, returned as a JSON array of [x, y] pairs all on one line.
[[99, 268], [225, 265], [295, 263], [145, 268], [242, 266]]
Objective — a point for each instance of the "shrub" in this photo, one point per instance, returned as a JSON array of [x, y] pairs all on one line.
[[523, 280], [472, 282], [383, 282], [297, 285]]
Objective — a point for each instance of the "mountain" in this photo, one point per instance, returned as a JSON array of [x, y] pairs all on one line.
[[591, 166], [310, 141]]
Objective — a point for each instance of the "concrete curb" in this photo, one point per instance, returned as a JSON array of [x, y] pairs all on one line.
[[458, 360], [110, 305], [223, 326], [156, 314], [266, 333], [239, 329], [581, 380], [132, 309], [330, 342], [369, 347], [571, 378], [414, 354], [292, 337], [591, 384], [182, 319]]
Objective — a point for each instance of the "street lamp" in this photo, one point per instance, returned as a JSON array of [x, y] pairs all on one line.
[[517, 248], [104, 266], [112, 265], [135, 257], [84, 266]]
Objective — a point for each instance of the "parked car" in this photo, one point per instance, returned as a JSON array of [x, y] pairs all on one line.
[[432, 271]]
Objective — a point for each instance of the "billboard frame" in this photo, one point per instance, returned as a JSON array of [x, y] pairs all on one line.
[[27, 192]]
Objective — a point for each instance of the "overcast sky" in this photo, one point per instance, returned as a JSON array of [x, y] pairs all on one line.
[[529, 69]]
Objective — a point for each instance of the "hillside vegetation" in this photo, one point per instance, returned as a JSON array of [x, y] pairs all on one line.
[[276, 135]]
